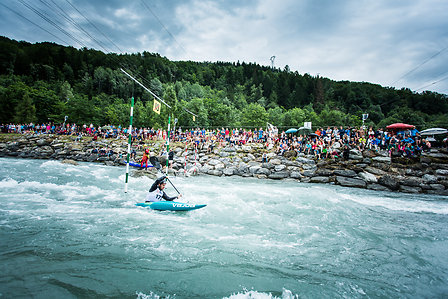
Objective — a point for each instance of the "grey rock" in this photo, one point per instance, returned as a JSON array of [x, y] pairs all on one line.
[[437, 192], [374, 170], [429, 179], [229, 171], [229, 149], [377, 187], [320, 179], [275, 162], [216, 172], [345, 172], [309, 173], [355, 157], [250, 156], [295, 175], [382, 159], [279, 175], [254, 169], [206, 168], [442, 172], [42, 142], [323, 172], [350, 182], [368, 177], [409, 189], [411, 181], [264, 171], [280, 167], [220, 166], [214, 162], [437, 186], [389, 181], [243, 168], [268, 165], [303, 160]]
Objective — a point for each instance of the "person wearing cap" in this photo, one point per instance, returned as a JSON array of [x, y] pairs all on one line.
[[156, 192]]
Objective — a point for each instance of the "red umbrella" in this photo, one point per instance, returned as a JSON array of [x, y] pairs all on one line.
[[400, 126]]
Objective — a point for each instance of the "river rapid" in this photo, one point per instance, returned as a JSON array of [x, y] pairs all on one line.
[[70, 231]]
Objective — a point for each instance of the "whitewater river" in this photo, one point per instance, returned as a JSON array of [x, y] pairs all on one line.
[[71, 232]]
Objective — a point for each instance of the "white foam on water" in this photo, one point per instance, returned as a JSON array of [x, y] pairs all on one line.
[[9, 183], [286, 294], [50, 164], [411, 205], [245, 294]]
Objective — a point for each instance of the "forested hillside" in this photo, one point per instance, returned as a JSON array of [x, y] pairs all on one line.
[[45, 81]]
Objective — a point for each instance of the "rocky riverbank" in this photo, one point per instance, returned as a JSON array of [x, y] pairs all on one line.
[[367, 169]]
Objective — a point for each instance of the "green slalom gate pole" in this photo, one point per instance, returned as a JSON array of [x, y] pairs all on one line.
[[168, 145], [129, 147]]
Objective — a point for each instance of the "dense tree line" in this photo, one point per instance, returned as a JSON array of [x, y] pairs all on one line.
[[44, 82]]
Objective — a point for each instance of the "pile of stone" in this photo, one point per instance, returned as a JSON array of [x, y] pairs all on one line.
[[368, 169]]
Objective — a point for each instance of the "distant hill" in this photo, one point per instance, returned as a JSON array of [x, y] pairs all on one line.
[[45, 81]]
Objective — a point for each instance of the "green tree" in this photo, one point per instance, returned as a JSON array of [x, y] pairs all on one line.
[[254, 115], [25, 111], [294, 117]]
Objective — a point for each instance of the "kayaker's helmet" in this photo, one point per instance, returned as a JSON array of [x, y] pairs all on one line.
[[147, 151]]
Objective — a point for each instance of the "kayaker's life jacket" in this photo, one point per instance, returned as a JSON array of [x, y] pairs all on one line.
[[156, 195]]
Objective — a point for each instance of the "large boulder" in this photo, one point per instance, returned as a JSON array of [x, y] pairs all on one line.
[[375, 171], [302, 160], [290, 154], [345, 172], [42, 142], [279, 175], [411, 181], [429, 179], [368, 177], [267, 165], [280, 167], [295, 175], [214, 162], [254, 169], [323, 172], [264, 171], [320, 179], [377, 187], [243, 168], [381, 159], [275, 162], [350, 182], [309, 172], [409, 189], [389, 181], [442, 172], [229, 171]]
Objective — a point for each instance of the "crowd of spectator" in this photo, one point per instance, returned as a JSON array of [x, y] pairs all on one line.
[[329, 143]]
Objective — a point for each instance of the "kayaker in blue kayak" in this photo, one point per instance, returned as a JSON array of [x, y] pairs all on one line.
[[156, 192]]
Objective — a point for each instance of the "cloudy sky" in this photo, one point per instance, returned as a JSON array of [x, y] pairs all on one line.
[[399, 43]]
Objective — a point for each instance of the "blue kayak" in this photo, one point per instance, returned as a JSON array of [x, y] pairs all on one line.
[[170, 206], [135, 164]]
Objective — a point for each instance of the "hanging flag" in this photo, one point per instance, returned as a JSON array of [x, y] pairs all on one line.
[[194, 118], [156, 107]]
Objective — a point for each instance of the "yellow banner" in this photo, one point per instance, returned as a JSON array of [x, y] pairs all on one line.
[[156, 107], [194, 118]]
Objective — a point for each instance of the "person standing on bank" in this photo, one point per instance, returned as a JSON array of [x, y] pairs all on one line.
[[156, 192]]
